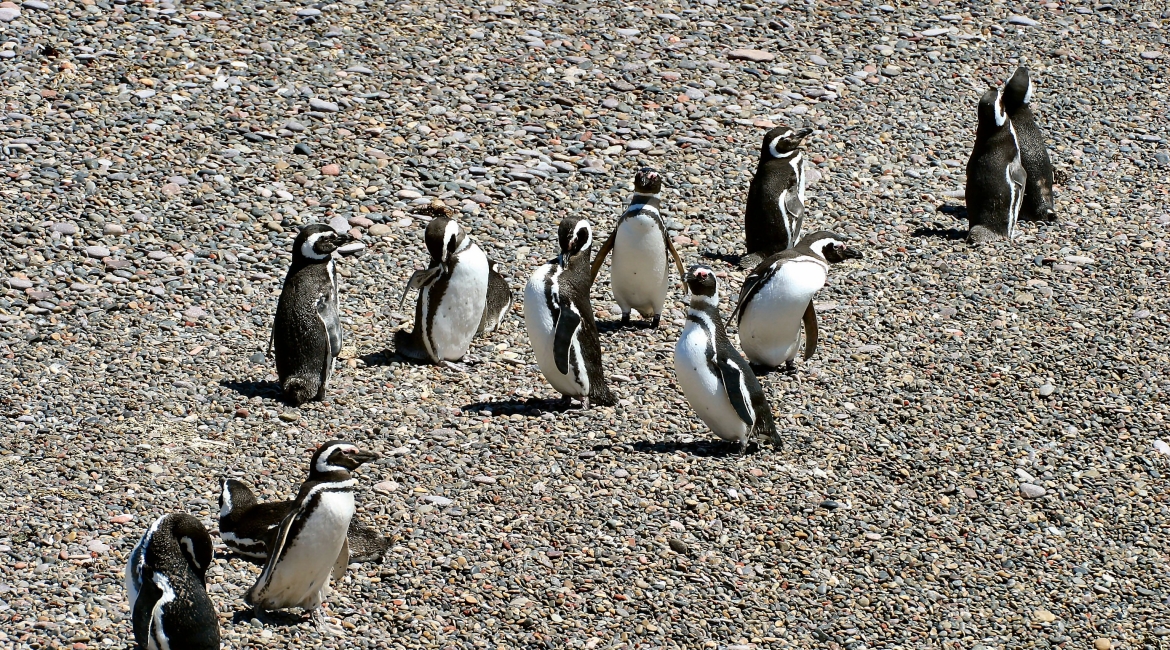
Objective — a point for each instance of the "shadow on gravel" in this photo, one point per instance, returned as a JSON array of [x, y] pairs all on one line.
[[952, 234], [385, 357], [703, 449], [610, 326], [764, 371], [726, 259], [532, 407], [275, 618], [267, 389]]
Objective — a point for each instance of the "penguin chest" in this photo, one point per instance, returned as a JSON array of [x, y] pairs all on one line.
[[453, 306], [301, 574], [639, 275], [703, 386], [769, 331], [540, 302]]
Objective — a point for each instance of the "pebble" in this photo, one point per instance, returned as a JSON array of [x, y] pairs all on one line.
[[322, 105], [1103, 644], [97, 252], [1047, 390], [755, 56], [1030, 491], [1022, 20], [113, 229]]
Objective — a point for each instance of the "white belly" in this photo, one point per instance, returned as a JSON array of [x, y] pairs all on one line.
[[301, 576], [539, 322], [769, 332], [458, 314], [703, 390], [640, 272]]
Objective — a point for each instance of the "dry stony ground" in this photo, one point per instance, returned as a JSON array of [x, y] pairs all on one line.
[[968, 461]]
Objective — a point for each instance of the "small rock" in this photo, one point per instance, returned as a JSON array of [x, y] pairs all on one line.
[[9, 14], [302, 149], [258, 359], [678, 546], [1022, 20], [65, 228], [438, 500], [332, 169], [122, 519], [755, 56], [1032, 491], [1044, 616], [1047, 389], [1102, 644], [97, 252], [154, 469], [484, 480], [113, 229], [386, 486], [380, 230], [194, 312], [97, 547], [322, 105]]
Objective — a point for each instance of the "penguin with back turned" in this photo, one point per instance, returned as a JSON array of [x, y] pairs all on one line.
[[714, 378], [559, 319], [312, 538], [778, 296], [165, 577], [775, 204], [306, 334], [995, 174], [641, 245], [1017, 101], [247, 526]]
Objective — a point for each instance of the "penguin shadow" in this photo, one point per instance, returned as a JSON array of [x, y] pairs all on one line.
[[702, 449], [731, 259], [386, 357], [529, 408], [278, 618], [764, 371], [615, 325], [264, 389], [951, 234]]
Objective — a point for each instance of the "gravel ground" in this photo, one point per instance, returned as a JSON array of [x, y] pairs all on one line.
[[968, 459]]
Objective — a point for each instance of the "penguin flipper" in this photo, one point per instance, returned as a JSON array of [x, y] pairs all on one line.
[[420, 279], [275, 552], [810, 331], [601, 253], [751, 285], [735, 382], [678, 263], [327, 312], [342, 561], [564, 332]]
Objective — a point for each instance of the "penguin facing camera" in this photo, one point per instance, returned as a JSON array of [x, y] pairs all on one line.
[[775, 203], [560, 323], [306, 333], [778, 296], [995, 174], [642, 252], [716, 381], [165, 578]]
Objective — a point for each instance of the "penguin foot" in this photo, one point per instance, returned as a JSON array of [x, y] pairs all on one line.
[[454, 365], [655, 321], [297, 391], [585, 403], [625, 319], [790, 367]]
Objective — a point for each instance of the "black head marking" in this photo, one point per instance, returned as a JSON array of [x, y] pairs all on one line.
[[830, 246], [339, 456], [992, 114], [316, 242], [702, 282], [574, 235], [443, 238], [647, 181], [782, 140], [1018, 90]]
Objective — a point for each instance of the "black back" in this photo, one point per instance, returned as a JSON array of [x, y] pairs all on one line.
[[823, 245], [499, 299], [172, 567], [1038, 200], [575, 280], [764, 224], [992, 171]]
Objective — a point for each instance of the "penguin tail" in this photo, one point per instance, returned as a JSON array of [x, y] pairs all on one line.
[[366, 544], [602, 396], [408, 345], [981, 235], [297, 391], [750, 261], [767, 427]]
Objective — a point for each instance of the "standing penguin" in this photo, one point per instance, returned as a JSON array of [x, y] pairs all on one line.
[[775, 202], [247, 526], [995, 174], [559, 319], [640, 243], [498, 302], [453, 291], [716, 381], [1017, 101], [311, 540], [165, 578], [307, 331], [778, 295]]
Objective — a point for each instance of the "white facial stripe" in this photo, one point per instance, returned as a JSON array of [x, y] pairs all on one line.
[[226, 497], [582, 244], [323, 465], [450, 233], [189, 546], [1028, 95], [307, 248], [1000, 114], [156, 633], [818, 246]]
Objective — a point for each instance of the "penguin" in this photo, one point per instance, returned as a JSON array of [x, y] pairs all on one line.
[[452, 293], [778, 295], [312, 539], [165, 578], [775, 202], [247, 526], [498, 302], [995, 173], [1017, 99], [714, 378], [641, 245], [306, 333], [560, 323]]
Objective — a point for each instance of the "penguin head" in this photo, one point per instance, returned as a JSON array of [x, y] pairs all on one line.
[[647, 181], [234, 496], [444, 237], [829, 245], [575, 237], [992, 114], [1018, 90], [316, 243], [703, 285], [339, 456], [781, 141], [188, 534]]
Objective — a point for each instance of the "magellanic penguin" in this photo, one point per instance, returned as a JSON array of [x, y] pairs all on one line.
[[247, 526], [778, 295], [165, 578], [452, 293], [716, 381], [499, 301], [306, 334], [995, 174], [560, 322], [642, 252], [1017, 101], [775, 202], [311, 540]]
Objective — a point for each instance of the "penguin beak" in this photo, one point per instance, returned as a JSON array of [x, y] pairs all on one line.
[[802, 134], [851, 253], [361, 457]]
